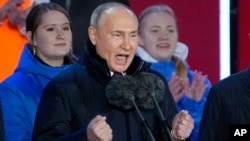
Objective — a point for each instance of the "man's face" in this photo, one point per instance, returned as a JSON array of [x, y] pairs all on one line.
[[116, 38]]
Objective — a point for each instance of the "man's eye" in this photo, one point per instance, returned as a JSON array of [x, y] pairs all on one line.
[[116, 35], [133, 35]]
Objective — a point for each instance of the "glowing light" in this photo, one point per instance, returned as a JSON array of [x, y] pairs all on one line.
[[224, 38]]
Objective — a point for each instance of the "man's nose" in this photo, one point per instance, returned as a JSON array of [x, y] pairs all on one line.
[[126, 43]]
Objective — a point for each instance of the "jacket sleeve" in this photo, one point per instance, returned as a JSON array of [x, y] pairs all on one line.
[[211, 123], [169, 106], [17, 121], [53, 118]]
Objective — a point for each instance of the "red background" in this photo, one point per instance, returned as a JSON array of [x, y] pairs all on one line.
[[244, 41]]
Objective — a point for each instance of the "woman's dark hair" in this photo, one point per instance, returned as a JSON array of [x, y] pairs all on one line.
[[34, 19]]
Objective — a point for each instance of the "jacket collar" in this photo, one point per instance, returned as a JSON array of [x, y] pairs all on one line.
[[98, 67], [144, 55]]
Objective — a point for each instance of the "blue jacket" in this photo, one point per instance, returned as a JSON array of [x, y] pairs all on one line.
[[21, 94], [194, 108]]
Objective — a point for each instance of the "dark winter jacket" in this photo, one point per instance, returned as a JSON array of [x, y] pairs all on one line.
[[227, 106], [76, 96]]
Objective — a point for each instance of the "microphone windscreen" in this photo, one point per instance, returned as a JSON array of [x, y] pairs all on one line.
[[120, 91], [149, 85]]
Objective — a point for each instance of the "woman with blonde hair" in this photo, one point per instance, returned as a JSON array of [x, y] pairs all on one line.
[[158, 41]]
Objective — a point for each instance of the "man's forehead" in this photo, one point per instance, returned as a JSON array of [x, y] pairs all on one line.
[[114, 9], [118, 12]]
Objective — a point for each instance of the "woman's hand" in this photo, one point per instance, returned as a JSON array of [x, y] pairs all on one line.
[[178, 87], [197, 88]]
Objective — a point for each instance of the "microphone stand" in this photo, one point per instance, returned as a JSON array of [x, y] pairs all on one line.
[[143, 121], [165, 123]]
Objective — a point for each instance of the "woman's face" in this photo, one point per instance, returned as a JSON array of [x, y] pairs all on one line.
[[158, 35], [53, 36]]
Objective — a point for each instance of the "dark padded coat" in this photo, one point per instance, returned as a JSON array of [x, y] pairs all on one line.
[[228, 105], [72, 99]]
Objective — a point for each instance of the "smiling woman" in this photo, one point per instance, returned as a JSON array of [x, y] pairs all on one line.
[[49, 35], [158, 37]]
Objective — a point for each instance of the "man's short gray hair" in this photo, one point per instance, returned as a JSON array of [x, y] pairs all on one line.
[[97, 13]]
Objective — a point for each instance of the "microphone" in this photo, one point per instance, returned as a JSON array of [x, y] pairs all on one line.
[[149, 83], [145, 123], [120, 92], [151, 92]]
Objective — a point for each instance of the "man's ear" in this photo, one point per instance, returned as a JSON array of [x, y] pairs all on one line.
[[92, 34], [30, 40]]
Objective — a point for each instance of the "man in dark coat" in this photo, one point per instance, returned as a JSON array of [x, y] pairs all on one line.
[[227, 106], [76, 104]]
